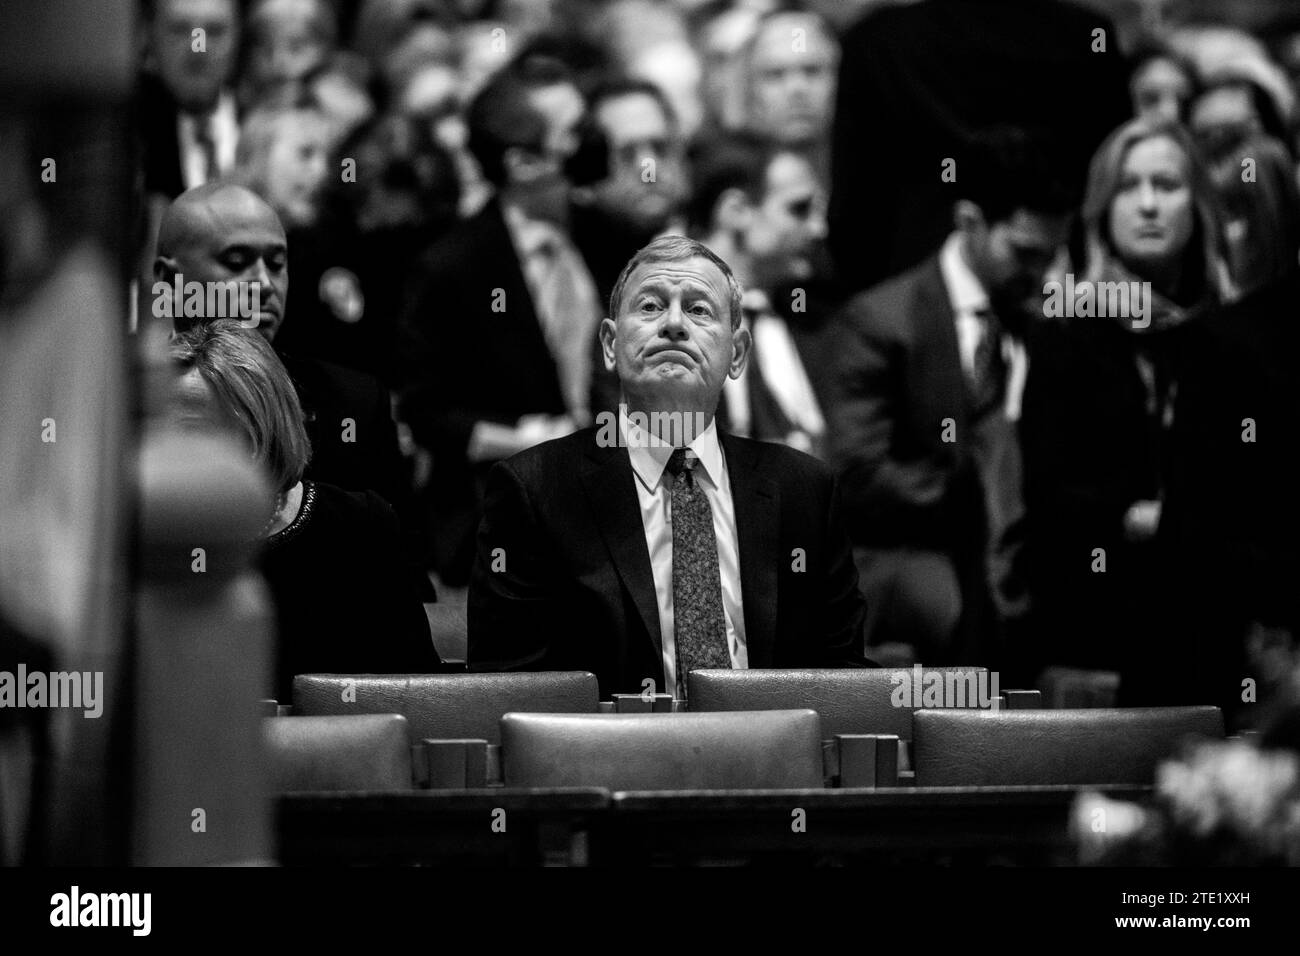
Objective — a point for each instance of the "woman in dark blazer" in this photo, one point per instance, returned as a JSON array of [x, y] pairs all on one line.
[[1138, 457]]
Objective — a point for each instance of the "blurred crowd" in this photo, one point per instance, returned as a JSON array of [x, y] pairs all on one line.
[[451, 188]]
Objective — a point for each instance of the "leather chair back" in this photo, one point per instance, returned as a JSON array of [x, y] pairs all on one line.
[[361, 752], [849, 700], [680, 751], [953, 748]]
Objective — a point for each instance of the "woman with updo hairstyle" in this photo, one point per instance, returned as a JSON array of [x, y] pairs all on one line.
[[345, 601], [1138, 473]]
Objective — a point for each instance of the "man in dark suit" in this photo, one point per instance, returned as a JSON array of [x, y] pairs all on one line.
[[498, 338], [186, 111], [651, 545], [761, 207], [924, 396], [925, 78], [222, 233]]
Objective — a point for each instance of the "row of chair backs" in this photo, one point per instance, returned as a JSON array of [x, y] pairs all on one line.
[[774, 749], [447, 706]]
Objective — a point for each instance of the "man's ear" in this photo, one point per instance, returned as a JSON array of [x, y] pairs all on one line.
[[741, 343], [523, 166], [165, 268], [733, 211], [607, 329], [967, 217]]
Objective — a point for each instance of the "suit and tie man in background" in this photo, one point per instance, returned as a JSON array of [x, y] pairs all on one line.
[[651, 544], [762, 209], [189, 120], [499, 335], [926, 388]]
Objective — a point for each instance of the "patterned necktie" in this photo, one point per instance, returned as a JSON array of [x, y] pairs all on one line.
[[699, 628], [570, 315], [207, 143], [989, 372]]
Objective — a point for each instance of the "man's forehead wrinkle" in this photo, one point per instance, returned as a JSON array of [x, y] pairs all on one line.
[[665, 274]]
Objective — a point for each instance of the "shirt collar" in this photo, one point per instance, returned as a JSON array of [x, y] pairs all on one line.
[[649, 453], [530, 236], [965, 292]]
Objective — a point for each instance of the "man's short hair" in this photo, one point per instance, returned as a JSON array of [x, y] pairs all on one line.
[[676, 249], [254, 389], [738, 162], [149, 9], [621, 86], [766, 20], [1006, 168], [502, 115]]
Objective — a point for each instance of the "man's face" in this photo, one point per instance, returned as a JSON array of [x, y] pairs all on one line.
[[297, 168], [195, 78], [787, 224], [792, 81], [1011, 257], [432, 96], [235, 237], [284, 43], [563, 107], [547, 187], [1223, 120], [1161, 89], [646, 176], [672, 343]]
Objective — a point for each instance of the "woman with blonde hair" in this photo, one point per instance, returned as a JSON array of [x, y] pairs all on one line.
[[345, 601], [1135, 463]]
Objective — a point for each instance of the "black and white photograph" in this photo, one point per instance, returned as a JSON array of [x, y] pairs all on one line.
[[492, 453]]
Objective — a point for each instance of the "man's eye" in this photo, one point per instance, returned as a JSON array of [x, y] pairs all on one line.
[[801, 209], [700, 309], [648, 305]]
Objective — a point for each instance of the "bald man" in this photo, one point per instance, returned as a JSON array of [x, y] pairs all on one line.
[[222, 233]]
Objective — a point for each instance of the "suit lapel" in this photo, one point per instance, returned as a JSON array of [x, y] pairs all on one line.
[[934, 312], [757, 502], [607, 480]]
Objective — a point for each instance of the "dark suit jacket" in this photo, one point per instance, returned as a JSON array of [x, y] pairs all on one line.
[[155, 122], [574, 589], [921, 79], [1165, 613], [330, 394], [461, 362], [897, 377], [373, 461]]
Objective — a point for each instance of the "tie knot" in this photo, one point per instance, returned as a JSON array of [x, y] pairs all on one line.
[[679, 461]]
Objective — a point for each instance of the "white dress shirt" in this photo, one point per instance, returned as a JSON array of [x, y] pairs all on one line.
[[565, 300], [225, 137], [649, 456], [784, 375], [968, 298]]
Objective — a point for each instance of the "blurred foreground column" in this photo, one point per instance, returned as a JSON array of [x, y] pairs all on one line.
[[203, 656], [66, 68]]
